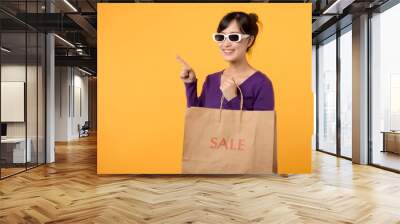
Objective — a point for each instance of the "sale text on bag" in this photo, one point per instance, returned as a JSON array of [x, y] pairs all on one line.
[[227, 143]]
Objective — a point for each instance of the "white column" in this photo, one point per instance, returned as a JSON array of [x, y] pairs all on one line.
[[50, 92], [50, 110], [360, 89]]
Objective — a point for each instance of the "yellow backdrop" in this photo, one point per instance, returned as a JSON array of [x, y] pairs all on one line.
[[141, 99]]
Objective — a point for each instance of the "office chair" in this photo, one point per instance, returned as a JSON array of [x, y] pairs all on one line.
[[84, 130]]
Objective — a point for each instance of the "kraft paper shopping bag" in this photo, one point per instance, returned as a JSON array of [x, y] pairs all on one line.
[[219, 141]]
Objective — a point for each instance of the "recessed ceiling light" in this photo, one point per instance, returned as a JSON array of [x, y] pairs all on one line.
[[70, 5], [5, 50], [338, 6], [84, 71], [64, 40]]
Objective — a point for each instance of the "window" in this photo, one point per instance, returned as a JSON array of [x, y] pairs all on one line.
[[327, 95], [22, 77], [385, 88], [346, 93]]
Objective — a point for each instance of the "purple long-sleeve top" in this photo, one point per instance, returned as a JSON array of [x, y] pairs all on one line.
[[258, 93]]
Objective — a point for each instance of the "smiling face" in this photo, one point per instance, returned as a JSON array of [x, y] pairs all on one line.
[[234, 51]]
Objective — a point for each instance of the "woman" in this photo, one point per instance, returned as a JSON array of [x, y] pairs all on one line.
[[236, 34]]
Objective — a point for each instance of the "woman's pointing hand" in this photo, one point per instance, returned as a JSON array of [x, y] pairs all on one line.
[[187, 73]]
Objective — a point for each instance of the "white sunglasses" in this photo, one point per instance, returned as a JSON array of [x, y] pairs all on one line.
[[232, 37]]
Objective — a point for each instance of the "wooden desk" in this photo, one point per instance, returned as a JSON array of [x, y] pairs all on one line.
[[13, 150], [391, 141]]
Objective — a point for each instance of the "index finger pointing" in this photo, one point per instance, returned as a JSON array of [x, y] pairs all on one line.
[[182, 61]]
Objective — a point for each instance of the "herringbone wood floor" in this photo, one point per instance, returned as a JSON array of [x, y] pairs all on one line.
[[69, 191]]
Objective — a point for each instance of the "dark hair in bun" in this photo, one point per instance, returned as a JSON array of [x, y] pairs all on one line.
[[247, 23]]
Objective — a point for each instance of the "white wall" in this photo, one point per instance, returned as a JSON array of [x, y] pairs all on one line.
[[12, 101], [71, 93], [13, 73], [81, 84], [33, 127], [62, 81]]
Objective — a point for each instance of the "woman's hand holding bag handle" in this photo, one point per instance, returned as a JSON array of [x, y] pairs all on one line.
[[187, 73], [228, 88]]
